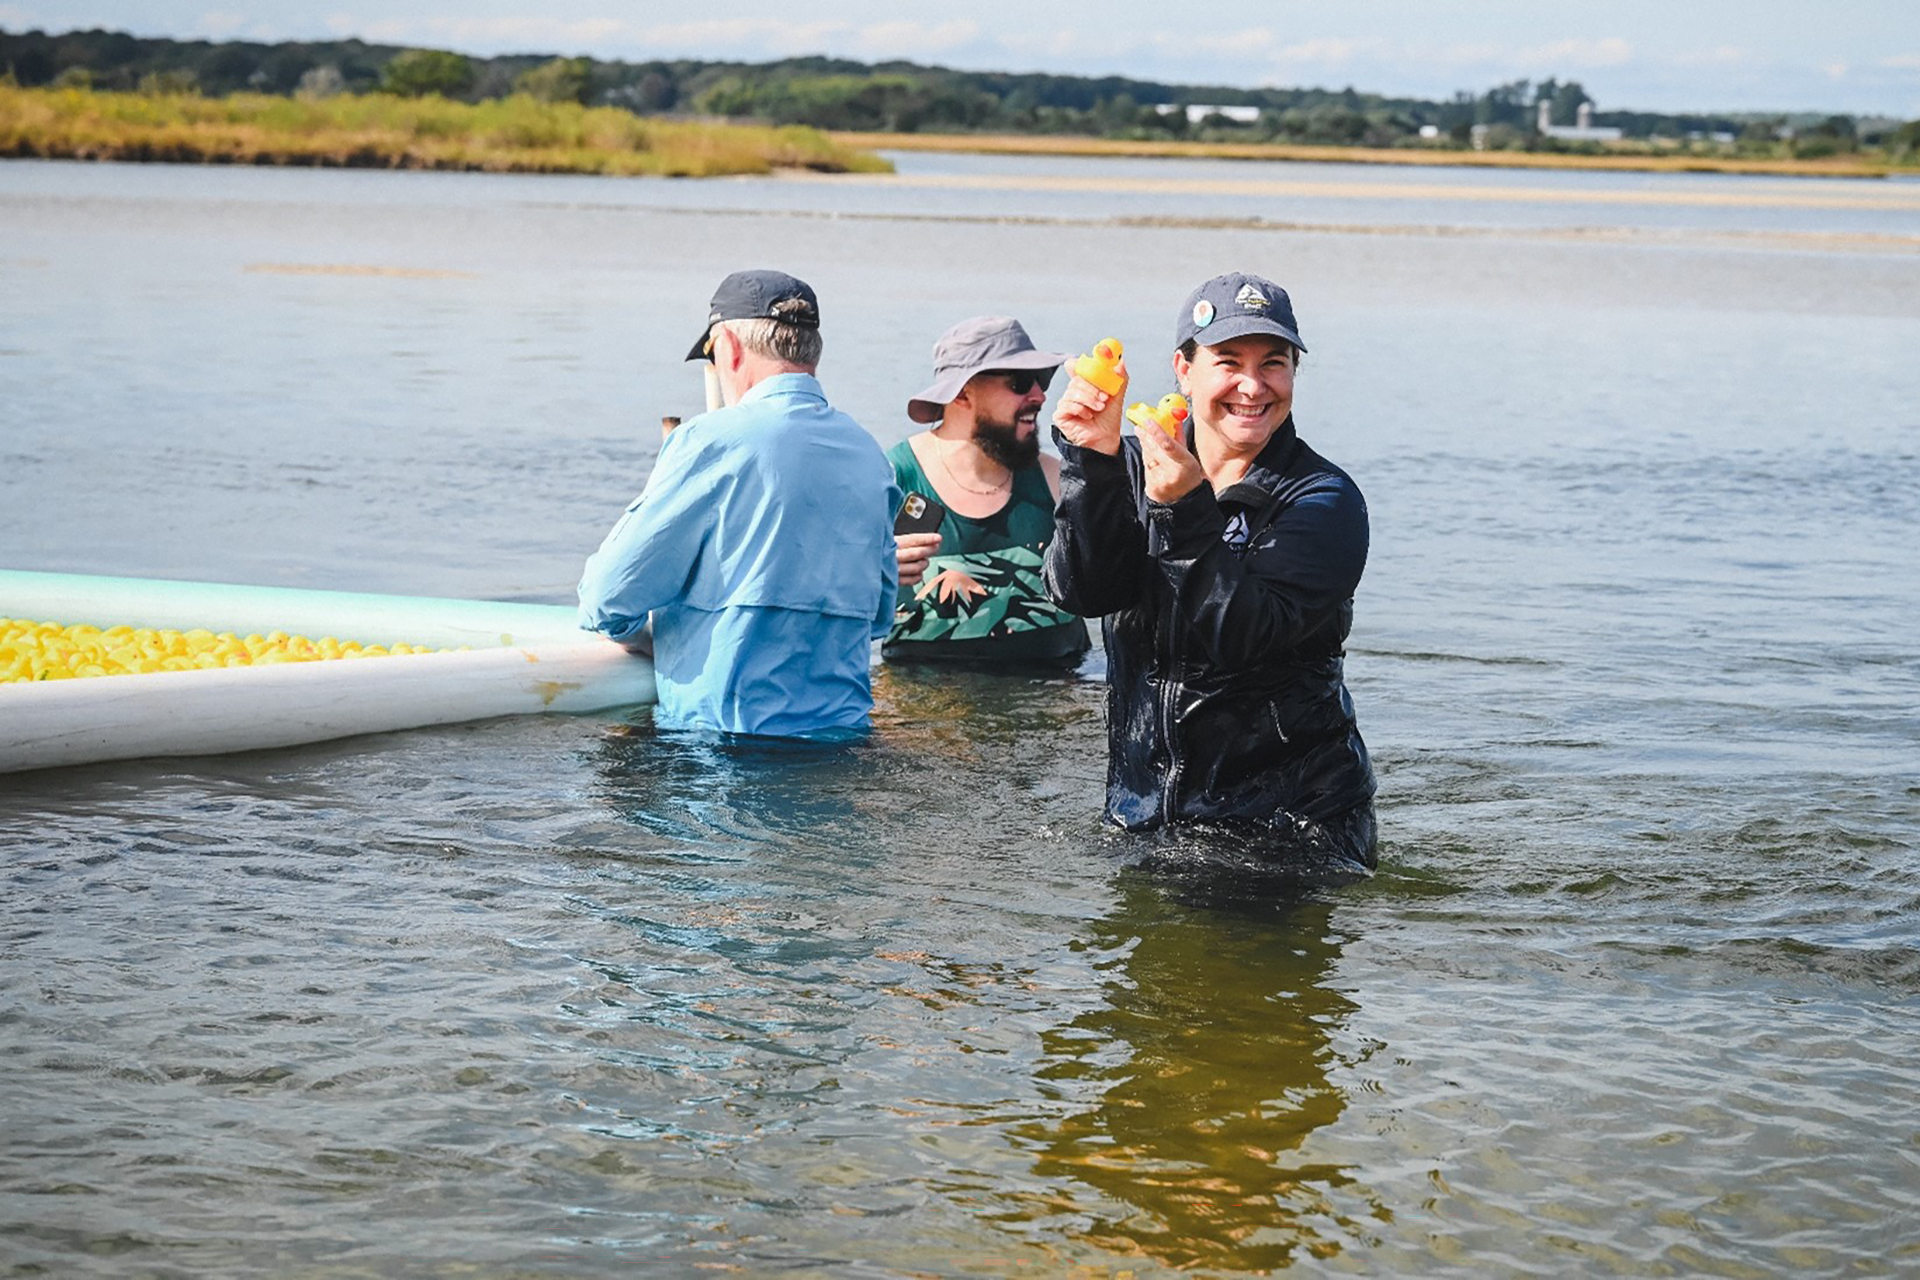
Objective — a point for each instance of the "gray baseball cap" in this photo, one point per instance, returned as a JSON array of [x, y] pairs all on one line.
[[975, 346], [1233, 306]]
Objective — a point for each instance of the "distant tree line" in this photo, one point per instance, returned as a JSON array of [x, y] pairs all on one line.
[[905, 97]]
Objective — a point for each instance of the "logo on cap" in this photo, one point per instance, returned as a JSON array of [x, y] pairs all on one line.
[[1202, 314], [1251, 299]]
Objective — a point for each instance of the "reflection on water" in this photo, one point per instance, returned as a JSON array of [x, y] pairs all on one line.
[[1166, 1114], [1208, 1070]]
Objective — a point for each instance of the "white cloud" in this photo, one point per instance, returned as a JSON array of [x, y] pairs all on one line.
[[1570, 54], [914, 40], [1726, 55], [1465, 55], [221, 24], [1076, 51], [1229, 44], [738, 36], [390, 32], [1332, 52], [1836, 70], [1902, 62]]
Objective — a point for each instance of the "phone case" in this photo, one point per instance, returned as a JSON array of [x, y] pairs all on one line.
[[919, 514]]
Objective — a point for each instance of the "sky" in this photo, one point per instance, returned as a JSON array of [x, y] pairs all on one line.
[[1859, 57]]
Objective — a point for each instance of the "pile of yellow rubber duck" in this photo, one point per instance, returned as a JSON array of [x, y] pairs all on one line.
[[48, 651]]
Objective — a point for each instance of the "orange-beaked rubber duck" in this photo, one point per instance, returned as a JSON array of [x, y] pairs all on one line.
[[1169, 415], [1098, 368]]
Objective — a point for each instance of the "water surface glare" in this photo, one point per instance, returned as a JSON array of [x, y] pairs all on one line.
[[1636, 991]]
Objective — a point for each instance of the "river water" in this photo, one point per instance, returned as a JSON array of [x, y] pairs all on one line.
[[1636, 991]]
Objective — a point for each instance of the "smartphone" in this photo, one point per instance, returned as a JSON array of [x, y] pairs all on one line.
[[918, 514]]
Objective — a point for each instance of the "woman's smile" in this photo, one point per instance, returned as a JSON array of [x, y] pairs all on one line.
[[1241, 389]]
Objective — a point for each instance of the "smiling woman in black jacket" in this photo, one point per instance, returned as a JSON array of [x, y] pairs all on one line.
[[1223, 566]]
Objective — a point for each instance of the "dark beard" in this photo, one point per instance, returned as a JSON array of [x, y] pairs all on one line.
[[1002, 443]]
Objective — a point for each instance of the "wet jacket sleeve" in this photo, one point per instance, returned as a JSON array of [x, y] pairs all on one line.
[[647, 558], [1292, 583], [1097, 561]]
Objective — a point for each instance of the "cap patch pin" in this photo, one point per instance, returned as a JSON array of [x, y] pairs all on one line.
[[1251, 299], [1202, 314]]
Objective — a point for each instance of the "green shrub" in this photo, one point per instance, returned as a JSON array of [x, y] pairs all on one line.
[[419, 72], [560, 80]]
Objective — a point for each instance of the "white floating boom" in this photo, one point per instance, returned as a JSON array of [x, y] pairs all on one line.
[[523, 658]]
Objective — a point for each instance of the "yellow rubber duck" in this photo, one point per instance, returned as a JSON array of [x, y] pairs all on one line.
[[1098, 367], [1170, 415], [36, 650]]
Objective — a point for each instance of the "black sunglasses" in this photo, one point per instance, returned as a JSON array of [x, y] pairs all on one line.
[[1021, 381]]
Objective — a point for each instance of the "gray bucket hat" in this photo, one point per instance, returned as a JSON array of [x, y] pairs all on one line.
[[974, 346]]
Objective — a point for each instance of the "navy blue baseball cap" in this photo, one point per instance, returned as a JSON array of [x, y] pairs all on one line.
[[758, 295], [1233, 306]]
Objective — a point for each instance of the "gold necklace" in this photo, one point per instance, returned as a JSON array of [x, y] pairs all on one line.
[[940, 452]]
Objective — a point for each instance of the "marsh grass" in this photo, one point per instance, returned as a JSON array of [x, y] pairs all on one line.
[[1651, 161], [507, 135]]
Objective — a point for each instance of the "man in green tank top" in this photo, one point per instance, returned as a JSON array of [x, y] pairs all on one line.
[[972, 591]]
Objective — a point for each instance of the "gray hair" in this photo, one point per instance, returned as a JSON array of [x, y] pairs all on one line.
[[772, 340]]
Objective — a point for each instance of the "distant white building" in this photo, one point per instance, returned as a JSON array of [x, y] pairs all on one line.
[[1582, 130], [1198, 111]]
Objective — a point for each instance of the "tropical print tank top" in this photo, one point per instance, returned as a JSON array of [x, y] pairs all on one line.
[[983, 598]]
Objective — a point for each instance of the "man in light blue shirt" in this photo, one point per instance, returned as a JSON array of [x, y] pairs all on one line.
[[762, 548]]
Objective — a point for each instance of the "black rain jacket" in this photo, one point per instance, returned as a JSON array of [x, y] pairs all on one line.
[[1225, 618]]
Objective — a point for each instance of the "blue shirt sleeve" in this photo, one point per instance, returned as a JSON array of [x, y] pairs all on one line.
[[645, 560]]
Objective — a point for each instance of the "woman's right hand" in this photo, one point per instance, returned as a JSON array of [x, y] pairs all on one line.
[[912, 551], [1089, 417]]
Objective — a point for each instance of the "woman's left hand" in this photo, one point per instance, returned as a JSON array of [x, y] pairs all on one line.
[[1172, 472]]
